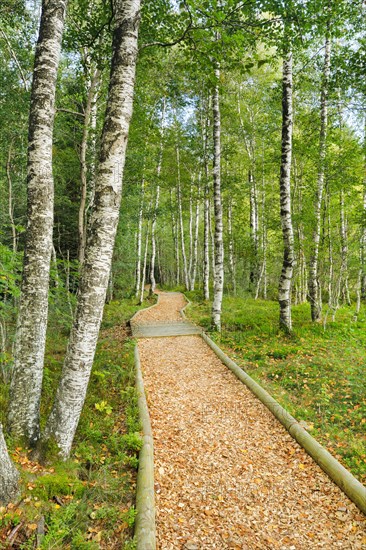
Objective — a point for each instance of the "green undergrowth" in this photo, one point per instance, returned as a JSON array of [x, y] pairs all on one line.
[[317, 373], [87, 502]]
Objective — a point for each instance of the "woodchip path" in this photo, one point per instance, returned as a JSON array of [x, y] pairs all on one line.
[[228, 475]]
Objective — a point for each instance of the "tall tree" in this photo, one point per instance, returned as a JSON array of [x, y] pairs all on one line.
[[26, 384], [8, 474], [314, 284], [94, 276], [285, 197], [218, 235]]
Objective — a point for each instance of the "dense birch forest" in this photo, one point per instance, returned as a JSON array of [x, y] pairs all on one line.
[[212, 147]]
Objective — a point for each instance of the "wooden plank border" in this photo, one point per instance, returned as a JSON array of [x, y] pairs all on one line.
[[145, 528]]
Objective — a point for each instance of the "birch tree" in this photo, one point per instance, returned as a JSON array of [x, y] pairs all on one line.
[[314, 285], [284, 290], [70, 396], [9, 476], [25, 389], [218, 235]]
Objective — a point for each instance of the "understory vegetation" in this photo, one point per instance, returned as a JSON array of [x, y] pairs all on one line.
[[86, 502], [317, 373]]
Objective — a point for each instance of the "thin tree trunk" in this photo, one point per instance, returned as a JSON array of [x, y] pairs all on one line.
[[254, 271], [26, 384], [219, 245], [314, 285], [231, 244], [153, 225], [175, 238], [363, 228], [344, 251], [284, 290], [181, 225], [195, 240], [139, 239], [143, 279], [10, 198], [90, 102], [9, 476], [206, 219], [70, 396]]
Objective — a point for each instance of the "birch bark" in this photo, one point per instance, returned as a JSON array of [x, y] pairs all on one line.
[[195, 238], [181, 225], [65, 414], [284, 291], [26, 384], [139, 239], [155, 214], [363, 229], [8, 474], [10, 198], [206, 219], [314, 289], [218, 237], [90, 102]]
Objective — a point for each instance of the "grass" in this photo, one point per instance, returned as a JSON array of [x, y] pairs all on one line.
[[87, 502], [317, 373]]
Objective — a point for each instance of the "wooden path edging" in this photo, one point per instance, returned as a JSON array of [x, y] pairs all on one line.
[[145, 529], [340, 475]]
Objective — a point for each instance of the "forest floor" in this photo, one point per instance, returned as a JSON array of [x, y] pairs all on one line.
[[228, 475], [87, 502], [317, 373]]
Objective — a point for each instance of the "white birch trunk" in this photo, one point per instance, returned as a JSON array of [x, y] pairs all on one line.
[[139, 240], [206, 242], [284, 290], [181, 225], [65, 414], [218, 237], [195, 240], [344, 289], [88, 115], [206, 219], [143, 279], [314, 289], [9, 476], [175, 233], [363, 228], [253, 199], [26, 384], [153, 225], [231, 244], [10, 198]]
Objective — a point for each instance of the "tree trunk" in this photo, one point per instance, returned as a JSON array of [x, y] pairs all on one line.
[[139, 239], [344, 289], [181, 225], [90, 102], [143, 278], [9, 476], [195, 239], [231, 244], [175, 234], [206, 218], [94, 276], [254, 268], [26, 384], [314, 288], [284, 290], [219, 245], [363, 228], [153, 225], [10, 198]]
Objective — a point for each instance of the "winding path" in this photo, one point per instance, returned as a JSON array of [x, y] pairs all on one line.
[[228, 475]]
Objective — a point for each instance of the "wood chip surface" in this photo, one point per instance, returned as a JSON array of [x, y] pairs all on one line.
[[228, 475]]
